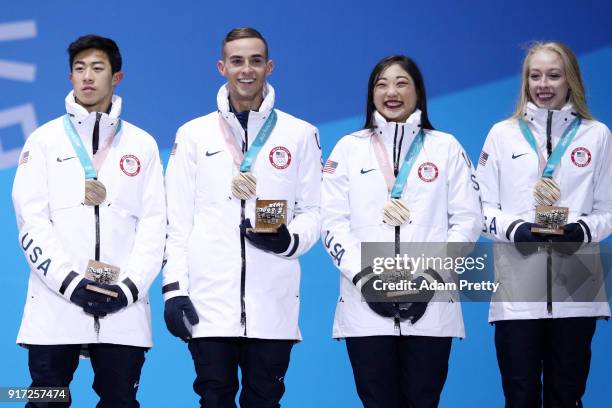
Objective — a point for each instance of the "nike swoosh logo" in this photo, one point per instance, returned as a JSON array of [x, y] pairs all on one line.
[[514, 156], [366, 171], [66, 158], [208, 154]]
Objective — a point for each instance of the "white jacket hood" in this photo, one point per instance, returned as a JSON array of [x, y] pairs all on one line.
[[83, 120], [266, 106]]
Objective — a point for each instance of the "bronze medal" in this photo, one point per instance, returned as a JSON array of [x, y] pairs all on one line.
[[395, 212], [244, 186], [546, 191], [95, 192]]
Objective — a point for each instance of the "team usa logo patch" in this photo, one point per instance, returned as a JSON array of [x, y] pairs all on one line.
[[581, 156], [280, 157], [130, 165], [428, 172]]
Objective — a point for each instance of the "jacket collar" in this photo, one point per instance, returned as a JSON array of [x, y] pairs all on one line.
[[538, 118], [77, 111], [256, 118], [386, 129], [84, 121], [266, 106]]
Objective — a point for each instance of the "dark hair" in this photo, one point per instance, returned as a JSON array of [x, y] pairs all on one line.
[[92, 41], [243, 32], [412, 69]]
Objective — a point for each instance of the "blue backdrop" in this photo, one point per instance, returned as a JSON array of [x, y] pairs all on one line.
[[469, 51]]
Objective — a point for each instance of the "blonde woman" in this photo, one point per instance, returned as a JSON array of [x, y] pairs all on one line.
[[550, 152]]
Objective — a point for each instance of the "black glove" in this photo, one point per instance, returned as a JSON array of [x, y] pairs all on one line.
[[526, 242], [96, 303], [176, 310], [371, 295], [112, 304], [277, 242], [523, 233], [415, 309], [572, 232], [571, 240], [412, 311]]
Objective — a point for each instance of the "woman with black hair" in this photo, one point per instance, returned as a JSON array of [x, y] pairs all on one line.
[[396, 180]]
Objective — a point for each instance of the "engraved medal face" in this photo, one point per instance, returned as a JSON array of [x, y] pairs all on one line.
[[95, 192], [269, 215], [551, 218], [395, 212], [244, 186], [546, 191], [102, 272]]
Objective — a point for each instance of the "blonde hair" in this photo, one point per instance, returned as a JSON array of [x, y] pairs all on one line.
[[572, 74]]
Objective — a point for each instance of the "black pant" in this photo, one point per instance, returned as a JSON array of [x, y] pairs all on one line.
[[263, 364], [557, 349], [399, 371], [116, 371]]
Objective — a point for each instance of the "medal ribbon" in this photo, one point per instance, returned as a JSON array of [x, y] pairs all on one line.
[[559, 150], [79, 148], [245, 162], [396, 185]]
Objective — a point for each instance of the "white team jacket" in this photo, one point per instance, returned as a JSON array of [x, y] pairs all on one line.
[[203, 248], [508, 171], [58, 232], [443, 205]]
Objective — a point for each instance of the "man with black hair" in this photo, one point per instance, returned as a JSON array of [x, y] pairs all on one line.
[[89, 200], [231, 292]]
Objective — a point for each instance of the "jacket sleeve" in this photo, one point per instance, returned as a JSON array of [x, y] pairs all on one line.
[[306, 224], [498, 224], [180, 199], [146, 257], [338, 240], [598, 224], [464, 215], [44, 253]]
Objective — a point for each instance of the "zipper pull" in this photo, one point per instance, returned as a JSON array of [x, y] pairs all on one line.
[[243, 322], [97, 325], [396, 318]]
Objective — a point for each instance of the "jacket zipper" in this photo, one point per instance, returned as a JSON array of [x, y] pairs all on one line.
[[549, 305], [396, 318], [396, 159], [94, 148], [243, 252], [548, 133]]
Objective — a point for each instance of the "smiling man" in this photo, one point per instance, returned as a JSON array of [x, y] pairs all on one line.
[[230, 291], [90, 206]]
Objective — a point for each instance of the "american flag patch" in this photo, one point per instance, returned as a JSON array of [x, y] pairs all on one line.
[[173, 151], [484, 156], [24, 157], [330, 167]]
